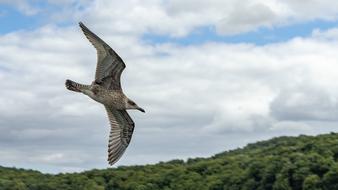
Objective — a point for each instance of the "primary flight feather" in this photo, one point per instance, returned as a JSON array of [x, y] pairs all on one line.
[[106, 89]]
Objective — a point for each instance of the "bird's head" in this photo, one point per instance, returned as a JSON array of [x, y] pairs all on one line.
[[132, 105]]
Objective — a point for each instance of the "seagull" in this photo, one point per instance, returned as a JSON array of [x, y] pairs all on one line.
[[106, 89]]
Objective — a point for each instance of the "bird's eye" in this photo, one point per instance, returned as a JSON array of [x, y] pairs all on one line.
[[131, 103]]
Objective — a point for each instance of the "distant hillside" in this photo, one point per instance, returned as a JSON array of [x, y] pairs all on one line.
[[300, 163]]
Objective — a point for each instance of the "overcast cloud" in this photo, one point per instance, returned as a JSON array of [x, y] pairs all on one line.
[[199, 99]]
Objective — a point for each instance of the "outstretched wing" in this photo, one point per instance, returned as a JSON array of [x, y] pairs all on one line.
[[122, 127], [109, 63]]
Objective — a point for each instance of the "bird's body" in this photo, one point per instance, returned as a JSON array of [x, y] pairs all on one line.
[[106, 89], [111, 98]]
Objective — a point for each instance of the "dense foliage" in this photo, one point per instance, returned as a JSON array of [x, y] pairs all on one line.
[[300, 163]]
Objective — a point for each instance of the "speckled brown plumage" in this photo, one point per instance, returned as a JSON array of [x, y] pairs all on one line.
[[106, 89]]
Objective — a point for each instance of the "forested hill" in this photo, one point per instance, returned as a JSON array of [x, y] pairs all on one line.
[[304, 163]]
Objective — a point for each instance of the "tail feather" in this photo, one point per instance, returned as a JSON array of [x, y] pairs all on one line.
[[73, 86]]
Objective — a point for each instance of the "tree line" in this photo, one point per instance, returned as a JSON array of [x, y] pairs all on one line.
[[283, 163]]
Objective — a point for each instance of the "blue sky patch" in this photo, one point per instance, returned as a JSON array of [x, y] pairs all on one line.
[[12, 19], [260, 37]]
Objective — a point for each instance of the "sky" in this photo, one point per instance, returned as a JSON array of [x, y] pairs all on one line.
[[212, 76]]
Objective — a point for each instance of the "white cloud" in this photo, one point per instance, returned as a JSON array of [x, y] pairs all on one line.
[[290, 126], [330, 35], [305, 103], [312, 9], [245, 18], [179, 18]]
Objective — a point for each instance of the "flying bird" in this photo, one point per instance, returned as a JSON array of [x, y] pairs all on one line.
[[106, 89]]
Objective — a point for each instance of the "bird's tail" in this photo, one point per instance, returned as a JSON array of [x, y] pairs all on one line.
[[74, 86]]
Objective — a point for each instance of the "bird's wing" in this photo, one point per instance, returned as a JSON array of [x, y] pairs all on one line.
[[109, 63], [122, 127]]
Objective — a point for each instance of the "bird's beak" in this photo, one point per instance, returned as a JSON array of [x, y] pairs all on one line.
[[142, 110]]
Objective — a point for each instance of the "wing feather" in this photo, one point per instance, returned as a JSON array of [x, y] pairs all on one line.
[[109, 64], [122, 128]]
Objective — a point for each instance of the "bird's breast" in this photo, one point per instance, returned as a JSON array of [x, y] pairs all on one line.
[[111, 99]]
